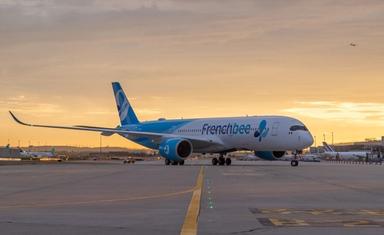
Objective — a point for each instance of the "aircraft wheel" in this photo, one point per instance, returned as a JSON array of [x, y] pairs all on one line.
[[294, 163], [181, 162], [221, 161], [228, 161], [167, 162], [214, 161], [174, 163]]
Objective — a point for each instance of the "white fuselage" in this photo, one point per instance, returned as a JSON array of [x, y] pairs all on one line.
[[26, 154], [273, 133]]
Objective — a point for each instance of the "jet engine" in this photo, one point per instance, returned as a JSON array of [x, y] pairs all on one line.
[[175, 149], [270, 155]]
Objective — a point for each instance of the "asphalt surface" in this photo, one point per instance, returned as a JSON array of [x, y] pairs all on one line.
[[150, 198]]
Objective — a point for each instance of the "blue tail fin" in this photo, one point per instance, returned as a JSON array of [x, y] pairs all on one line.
[[126, 113]]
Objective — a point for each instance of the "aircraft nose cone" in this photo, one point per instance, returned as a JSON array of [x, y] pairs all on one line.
[[308, 140]]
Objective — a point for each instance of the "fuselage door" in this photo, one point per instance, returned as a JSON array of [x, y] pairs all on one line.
[[275, 128]]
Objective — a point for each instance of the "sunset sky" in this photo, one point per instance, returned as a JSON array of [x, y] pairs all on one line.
[[190, 59]]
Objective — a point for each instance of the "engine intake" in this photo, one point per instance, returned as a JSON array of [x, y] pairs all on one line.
[[176, 149]]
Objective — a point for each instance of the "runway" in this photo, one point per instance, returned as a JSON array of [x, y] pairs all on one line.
[[150, 198]]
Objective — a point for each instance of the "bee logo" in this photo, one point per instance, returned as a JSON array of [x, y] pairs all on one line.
[[262, 131]]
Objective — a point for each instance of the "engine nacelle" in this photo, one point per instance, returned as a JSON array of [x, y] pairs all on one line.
[[176, 149], [269, 155]]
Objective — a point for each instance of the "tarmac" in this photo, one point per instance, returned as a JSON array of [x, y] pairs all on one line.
[[150, 198]]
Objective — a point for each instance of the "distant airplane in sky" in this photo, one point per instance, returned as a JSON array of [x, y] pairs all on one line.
[[353, 44], [176, 140]]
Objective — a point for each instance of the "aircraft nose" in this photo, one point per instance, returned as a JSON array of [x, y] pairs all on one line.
[[308, 140]]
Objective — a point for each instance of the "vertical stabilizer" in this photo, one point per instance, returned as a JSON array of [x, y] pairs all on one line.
[[126, 113], [327, 147]]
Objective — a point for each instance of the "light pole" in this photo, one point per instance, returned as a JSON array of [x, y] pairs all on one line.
[[100, 144]]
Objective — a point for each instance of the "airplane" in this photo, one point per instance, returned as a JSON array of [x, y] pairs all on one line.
[[286, 157], [331, 153], [178, 139], [37, 155], [310, 158]]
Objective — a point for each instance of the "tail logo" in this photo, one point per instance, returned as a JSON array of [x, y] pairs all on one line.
[[122, 104], [262, 131]]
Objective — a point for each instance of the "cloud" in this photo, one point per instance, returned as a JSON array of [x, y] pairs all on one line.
[[29, 106], [16, 99], [368, 113]]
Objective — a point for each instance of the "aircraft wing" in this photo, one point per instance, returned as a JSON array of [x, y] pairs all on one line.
[[156, 137]]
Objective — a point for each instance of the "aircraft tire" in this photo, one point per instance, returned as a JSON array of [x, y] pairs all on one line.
[[294, 163], [228, 161], [214, 161], [181, 162], [174, 163], [167, 162]]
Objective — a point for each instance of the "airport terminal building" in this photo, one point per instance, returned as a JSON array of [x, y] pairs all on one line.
[[368, 144]]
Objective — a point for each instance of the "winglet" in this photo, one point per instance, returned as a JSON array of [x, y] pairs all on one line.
[[17, 120]]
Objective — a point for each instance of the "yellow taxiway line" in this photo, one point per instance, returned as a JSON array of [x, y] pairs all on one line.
[[58, 204], [192, 218]]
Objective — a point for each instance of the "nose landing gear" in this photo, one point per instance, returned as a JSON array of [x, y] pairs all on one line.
[[295, 162]]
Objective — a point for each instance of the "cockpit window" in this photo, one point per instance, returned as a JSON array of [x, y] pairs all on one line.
[[298, 128]]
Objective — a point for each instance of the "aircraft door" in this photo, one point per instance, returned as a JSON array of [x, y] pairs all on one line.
[[275, 128]]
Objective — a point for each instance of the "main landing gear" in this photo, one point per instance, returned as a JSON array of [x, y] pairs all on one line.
[[173, 163], [221, 161]]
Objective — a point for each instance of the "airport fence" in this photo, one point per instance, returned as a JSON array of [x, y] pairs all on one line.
[[358, 162]]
